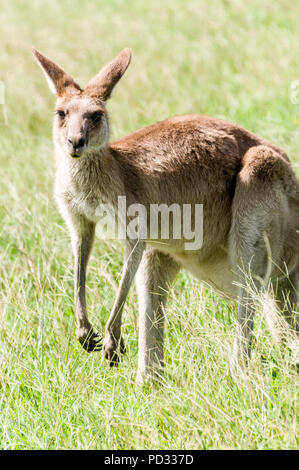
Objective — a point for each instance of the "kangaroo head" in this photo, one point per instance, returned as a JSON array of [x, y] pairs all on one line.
[[81, 122]]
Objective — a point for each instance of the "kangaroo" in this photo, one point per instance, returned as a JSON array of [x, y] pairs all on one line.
[[247, 187]]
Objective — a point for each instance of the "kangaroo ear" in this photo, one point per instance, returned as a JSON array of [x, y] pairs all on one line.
[[57, 79], [102, 84]]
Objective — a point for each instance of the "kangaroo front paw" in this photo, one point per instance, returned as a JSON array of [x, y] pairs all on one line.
[[89, 339], [112, 348], [122, 346]]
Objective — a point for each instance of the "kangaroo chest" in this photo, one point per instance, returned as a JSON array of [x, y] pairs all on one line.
[[88, 205]]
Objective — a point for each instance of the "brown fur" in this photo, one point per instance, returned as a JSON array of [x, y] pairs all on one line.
[[247, 187]]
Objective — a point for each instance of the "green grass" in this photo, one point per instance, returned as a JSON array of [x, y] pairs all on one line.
[[229, 59]]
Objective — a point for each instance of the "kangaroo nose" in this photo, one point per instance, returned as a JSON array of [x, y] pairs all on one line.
[[81, 142], [76, 143]]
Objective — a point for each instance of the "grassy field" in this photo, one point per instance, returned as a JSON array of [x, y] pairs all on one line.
[[228, 59]]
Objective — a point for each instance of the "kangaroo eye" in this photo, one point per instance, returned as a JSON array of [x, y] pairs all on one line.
[[96, 116], [60, 113]]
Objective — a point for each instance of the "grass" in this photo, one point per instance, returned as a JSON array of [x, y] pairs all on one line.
[[228, 59]]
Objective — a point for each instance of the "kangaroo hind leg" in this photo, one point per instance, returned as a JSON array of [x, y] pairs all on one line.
[[256, 237], [154, 277]]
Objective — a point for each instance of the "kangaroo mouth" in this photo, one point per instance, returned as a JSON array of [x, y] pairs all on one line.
[[76, 154]]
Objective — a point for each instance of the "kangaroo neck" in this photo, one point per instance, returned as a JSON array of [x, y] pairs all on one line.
[[95, 175]]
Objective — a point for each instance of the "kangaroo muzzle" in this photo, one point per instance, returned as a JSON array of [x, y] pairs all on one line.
[[76, 145]]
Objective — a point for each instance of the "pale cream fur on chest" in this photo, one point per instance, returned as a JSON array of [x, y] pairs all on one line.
[[89, 206]]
